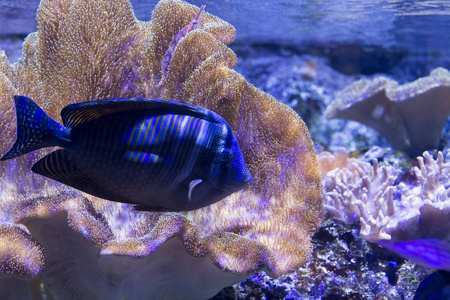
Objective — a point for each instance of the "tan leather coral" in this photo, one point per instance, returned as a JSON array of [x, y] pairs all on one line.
[[142, 254], [411, 116]]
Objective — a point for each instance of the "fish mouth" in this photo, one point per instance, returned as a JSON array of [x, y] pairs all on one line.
[[249, 178]]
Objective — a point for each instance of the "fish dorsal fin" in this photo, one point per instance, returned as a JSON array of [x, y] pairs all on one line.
[[192, 185], [76, 114], [58, 166]]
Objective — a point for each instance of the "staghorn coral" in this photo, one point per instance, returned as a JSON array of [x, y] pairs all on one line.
[[365, 194], [389, 208], [411, 116], [71, 59]]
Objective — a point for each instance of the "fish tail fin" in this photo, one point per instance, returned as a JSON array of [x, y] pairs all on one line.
[[35, 129]]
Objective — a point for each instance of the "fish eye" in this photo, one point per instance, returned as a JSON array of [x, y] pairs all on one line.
[[227, 155]]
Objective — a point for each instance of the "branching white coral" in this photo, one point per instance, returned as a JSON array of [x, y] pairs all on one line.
[[408, 210], [432, 176], [365, 194]]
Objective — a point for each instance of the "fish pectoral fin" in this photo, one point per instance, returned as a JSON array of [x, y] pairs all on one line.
[[143, 157], [192, 185], [59, 166]]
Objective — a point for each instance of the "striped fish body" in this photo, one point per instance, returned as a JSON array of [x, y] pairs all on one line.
[[157, 154], [153, 158]]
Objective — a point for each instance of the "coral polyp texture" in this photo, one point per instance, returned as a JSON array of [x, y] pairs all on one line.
[[87, 50], [391, 205], [410, 116]]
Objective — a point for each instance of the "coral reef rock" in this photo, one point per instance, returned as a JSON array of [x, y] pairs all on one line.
[[83, 247], [343, 266]]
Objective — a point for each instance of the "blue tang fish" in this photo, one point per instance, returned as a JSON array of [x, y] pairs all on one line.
[[430, 253], [435, 286], [160, 155]]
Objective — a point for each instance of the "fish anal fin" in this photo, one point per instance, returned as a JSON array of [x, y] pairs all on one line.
[[59, 166], [150, 208]]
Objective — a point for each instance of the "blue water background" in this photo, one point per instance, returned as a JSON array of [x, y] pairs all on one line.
[[420, 26]]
